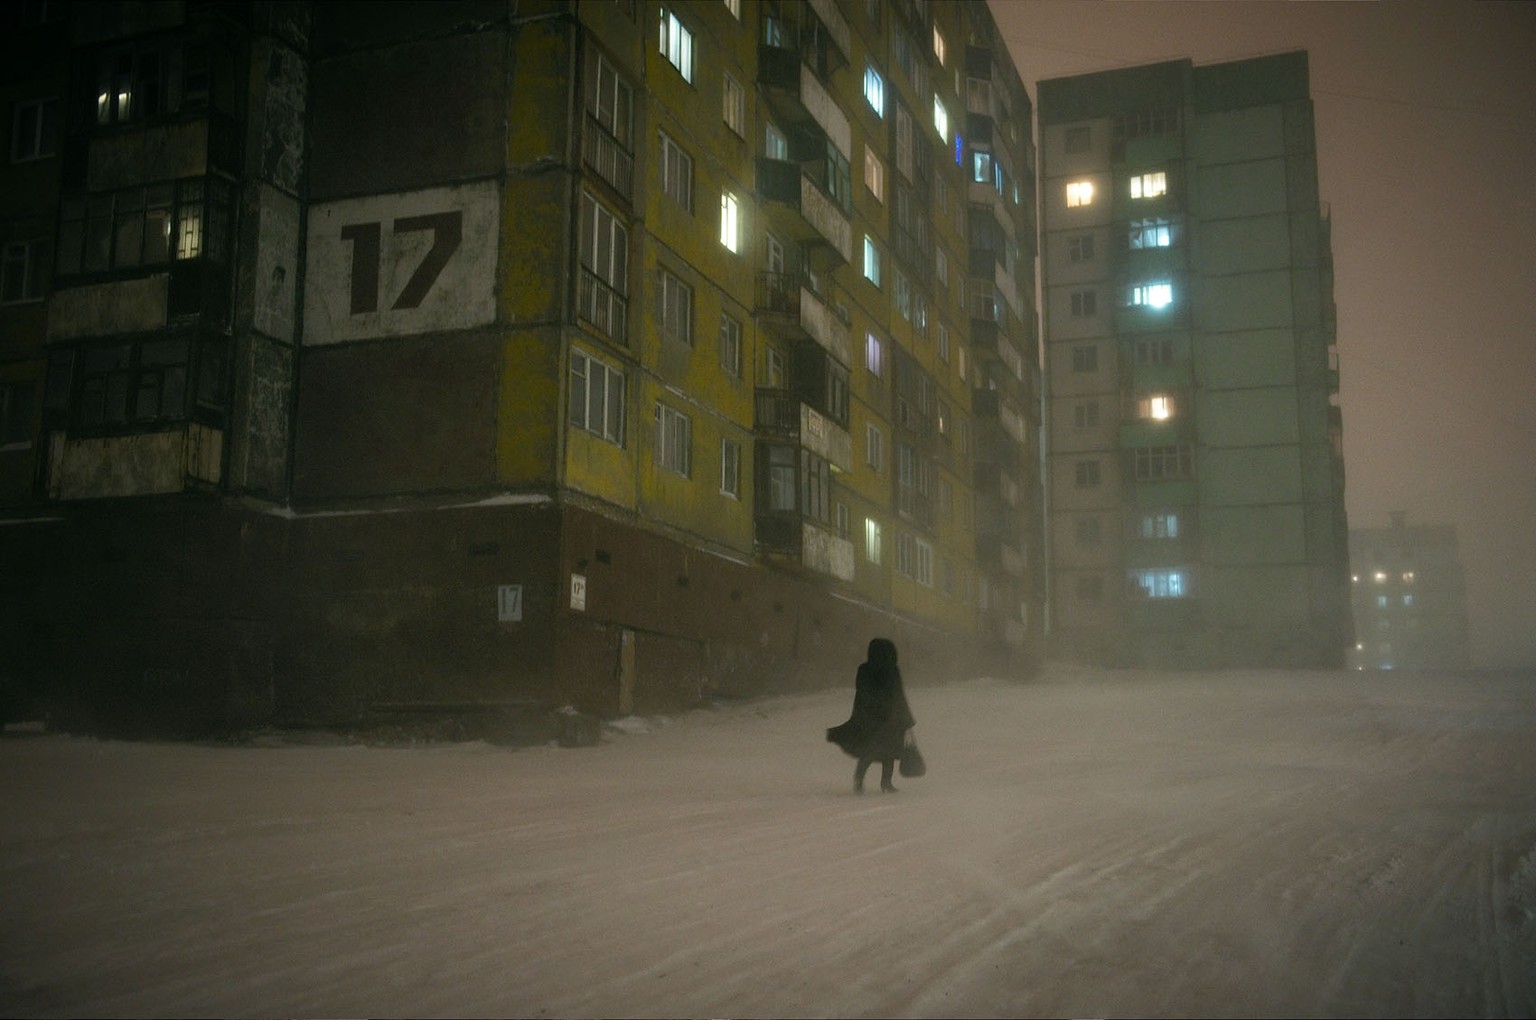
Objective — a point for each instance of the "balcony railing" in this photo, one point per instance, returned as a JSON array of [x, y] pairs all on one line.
[[606, 155], [602, 306]]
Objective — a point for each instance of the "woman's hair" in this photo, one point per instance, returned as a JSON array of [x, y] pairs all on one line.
[[882, 652]]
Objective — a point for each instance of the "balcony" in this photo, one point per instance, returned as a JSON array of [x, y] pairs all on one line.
[[605, 155], [604, 308], [782, 413], [804, 542], [788, 306], [820, 219], [798, 98]]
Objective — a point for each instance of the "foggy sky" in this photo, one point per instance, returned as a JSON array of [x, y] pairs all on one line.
[[1426, 150]]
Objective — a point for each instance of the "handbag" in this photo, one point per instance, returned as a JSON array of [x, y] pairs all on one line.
[[911, 763]]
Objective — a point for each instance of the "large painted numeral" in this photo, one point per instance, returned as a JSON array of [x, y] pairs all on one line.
[[367, 252]]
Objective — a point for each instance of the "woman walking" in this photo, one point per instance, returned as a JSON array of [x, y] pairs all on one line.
[[877, 728]]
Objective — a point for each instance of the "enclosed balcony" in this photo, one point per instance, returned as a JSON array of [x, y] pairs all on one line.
[[791, 308], [807, 189], [790, 538], [782, 412], [793, 60]]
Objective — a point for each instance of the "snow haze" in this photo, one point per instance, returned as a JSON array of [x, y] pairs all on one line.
[[1095, 843]]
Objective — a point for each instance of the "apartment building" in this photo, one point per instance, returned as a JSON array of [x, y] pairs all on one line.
[[1196, 474], [1409, 597], [406, 357]]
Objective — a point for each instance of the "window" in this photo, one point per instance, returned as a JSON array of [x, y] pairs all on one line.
[[677, 44], [840, 518], [1146, 123], [602, 295], [734, 6], [1085, 414], [906, 150], [1157, 294], [730, 346], [734, 98], [1086, 474], [1149, 185], [874, 355], [1078, 139], [1155, 407], [1080, 248], [940, 118], [1085, 303], [132, 383], [1088, 531], [775, 145], [815, 487], [781, 478], [597, 397], [874, 443], [773, 368], [15, 416], [144, 226], [674, 440], [1079, 193], [871, 261], [613, 102], [730, 469], [1158, 584], [730, 222], [675, 313], [34, 129], [874, 90], [1154, 351], [941, 342], [941, 267], [1085, 359], [1158, 525], [939, 47], [149, 80], [22, 270], [874, 173], [1152, 233], [1161, 463], [676, 172], [872, 549]]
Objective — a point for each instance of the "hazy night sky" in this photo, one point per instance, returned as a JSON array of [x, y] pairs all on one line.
[[1426, 151]]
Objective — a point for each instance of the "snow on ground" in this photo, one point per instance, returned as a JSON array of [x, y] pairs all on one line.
[[1233, 844]]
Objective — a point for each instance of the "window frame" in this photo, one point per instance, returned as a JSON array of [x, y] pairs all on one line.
[[673, 448], [611, 427], [677, 44]]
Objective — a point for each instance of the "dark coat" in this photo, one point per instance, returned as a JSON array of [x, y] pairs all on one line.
[[881, 717]]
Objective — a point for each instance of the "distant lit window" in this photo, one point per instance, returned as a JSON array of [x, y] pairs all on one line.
[[677, 44], [871, 261], [1381, 602], [1079, 193], [1152, 295], [1159, 584], [874, 355], [874, 173], [940, 118], [730, 222], [1380, 577], [1153, 233], [1155, 407], [1149, 185], [939, 47], [1158, 526], [1407, 600], [874, 90], [734, 6], [872, 549], [1407, 577]]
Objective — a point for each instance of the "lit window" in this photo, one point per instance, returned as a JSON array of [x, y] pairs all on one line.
[[1159, 525], [775, 145], [940, 118], [1156, 233], [939, 47], [874, 355], [1380, 577], [1408, 577], [1079, 193], [871, 261], [872, 540], [874, 173], [1152, 295], [734, 6], [730, 222], [677, 44], [1149, 185], [1159, 584], [1155, 407], [874, 91]]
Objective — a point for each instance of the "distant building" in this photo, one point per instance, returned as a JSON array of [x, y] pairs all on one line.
[[1409, 597], [1196, 479], [380, 356]]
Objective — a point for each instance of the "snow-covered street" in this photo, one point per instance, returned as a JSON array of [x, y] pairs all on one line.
[[1235, 844]]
